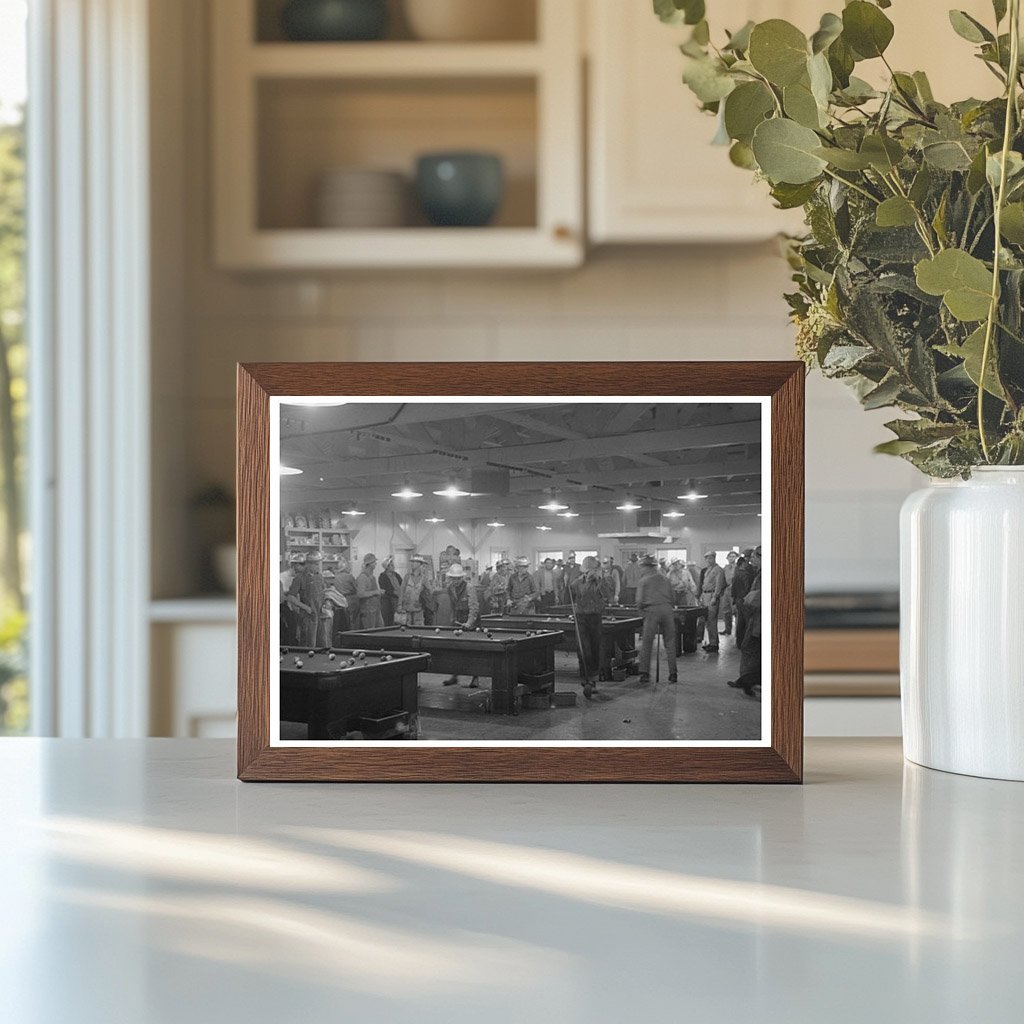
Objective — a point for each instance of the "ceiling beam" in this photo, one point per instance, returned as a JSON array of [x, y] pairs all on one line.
[[688, 438]]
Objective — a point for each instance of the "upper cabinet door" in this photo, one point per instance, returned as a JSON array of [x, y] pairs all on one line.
[[654, 175]]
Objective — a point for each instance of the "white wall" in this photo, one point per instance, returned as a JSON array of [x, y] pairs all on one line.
[[669, 303]]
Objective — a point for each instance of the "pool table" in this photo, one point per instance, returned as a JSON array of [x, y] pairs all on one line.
[[513, 659], [616, 632], [376, 696], [687, 623]]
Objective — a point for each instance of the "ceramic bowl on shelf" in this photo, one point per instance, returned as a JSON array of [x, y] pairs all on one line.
[[332, 21], [460, 189], [471, 20], [361, 198]]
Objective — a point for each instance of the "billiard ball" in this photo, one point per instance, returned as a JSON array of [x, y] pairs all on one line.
[[361, 655], [330, 657], [458, 632], [402, 628], [387, 657], [282, 658], [438, 630], [298, 663], [312, 654]]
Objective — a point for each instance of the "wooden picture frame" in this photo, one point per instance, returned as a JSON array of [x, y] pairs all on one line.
[[780, 759]]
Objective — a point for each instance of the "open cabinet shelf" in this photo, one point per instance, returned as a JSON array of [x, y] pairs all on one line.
[[287, 114]]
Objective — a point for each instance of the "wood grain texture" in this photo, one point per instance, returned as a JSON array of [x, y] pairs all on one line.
[[852, 650], [782, 762]]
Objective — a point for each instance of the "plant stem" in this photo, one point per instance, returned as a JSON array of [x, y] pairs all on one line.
[[993, 309], [856, 188]]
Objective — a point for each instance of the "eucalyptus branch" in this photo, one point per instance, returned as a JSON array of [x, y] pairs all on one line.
[[1000, 199], [853, 185]]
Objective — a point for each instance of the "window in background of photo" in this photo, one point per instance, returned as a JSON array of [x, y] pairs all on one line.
[[14, 547], [580, 555], [720, 555], [673, 554], [497, 555], [556, 555]]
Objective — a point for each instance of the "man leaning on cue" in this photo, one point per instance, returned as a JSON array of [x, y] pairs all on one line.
[[654, 597]]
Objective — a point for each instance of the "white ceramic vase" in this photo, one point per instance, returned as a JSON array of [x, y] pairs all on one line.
[[962, 624]]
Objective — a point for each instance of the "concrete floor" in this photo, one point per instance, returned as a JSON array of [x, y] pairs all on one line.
[[699, 707]]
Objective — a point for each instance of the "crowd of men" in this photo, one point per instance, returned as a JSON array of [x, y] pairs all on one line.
[[319, 603]]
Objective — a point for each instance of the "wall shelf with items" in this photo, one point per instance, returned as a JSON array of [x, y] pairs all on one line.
[[316, 146], [332, 543]]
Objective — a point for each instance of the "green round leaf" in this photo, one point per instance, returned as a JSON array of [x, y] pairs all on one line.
[[778, 50], [743, 156], [895, 212], [866, 29], [785, 152], [829, 31], [968, 28], [746, 107], [1012, 224], [800, 105], [708, 81], [963, 281]]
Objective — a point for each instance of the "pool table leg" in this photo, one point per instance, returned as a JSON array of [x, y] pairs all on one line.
[[318, 717]]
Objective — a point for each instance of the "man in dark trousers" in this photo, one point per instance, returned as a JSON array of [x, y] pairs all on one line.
[[742, 580], [591, 594], [465, 607], [654, 597]]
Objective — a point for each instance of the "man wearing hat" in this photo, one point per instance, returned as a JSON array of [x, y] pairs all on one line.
[[497, 589], [548, 584], [465, 608], [630, 579], [410, 597], [369, 593], [390, 586], [572, 570], [726, 606], [522, 588], [308, 589], [290, 614], [609, 573], [590, 593], [711, 589], [654, 598]]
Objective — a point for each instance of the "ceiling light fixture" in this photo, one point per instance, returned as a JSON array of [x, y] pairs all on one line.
[[495, 525], [692, 494], [406, 492], [568, 515], [544, 528], [452, 491], [289, 471], [672, 515], [628, 506], [434, 519], [353, 512], [552, 506]]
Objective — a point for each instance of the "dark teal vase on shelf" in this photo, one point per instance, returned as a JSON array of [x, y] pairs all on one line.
[[334, 21], [460, 190]]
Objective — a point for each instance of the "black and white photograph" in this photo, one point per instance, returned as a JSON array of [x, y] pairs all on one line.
[[564, 571]]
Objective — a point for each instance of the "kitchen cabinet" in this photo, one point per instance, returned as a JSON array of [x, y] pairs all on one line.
[[287, 113], [653, 175]]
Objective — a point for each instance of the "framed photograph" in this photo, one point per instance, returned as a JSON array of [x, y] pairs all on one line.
[[520, 572]]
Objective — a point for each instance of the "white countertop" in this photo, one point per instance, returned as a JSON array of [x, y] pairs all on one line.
[[143, 885]]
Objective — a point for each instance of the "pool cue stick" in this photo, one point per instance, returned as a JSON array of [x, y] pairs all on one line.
[[657, 656], [579, 639]]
